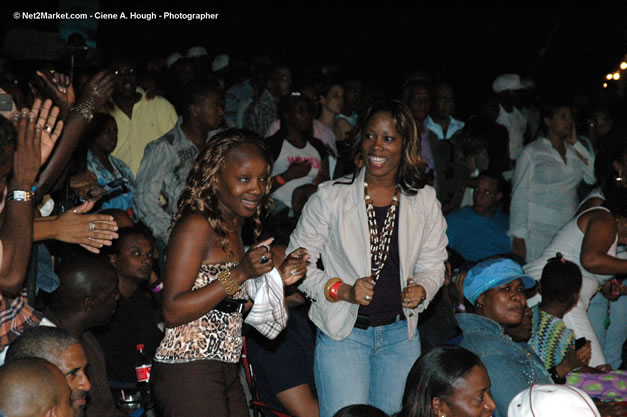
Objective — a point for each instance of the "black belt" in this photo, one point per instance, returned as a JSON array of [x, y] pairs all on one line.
[[364, 321], [231, 305]]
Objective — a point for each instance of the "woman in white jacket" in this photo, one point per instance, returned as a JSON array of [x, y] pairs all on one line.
[[382, 239]]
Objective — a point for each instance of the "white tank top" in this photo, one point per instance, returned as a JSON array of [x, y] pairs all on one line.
[[568, 242]]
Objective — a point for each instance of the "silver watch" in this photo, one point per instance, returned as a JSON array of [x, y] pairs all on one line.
[[20, 195]]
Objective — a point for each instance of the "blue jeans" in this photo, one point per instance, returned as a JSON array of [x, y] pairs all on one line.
[[368, 367], [612, 338]]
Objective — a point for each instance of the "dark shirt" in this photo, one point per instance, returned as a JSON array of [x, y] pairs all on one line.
[[386, 302], [133, 323]]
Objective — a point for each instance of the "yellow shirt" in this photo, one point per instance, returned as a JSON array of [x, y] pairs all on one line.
[[150, 120]]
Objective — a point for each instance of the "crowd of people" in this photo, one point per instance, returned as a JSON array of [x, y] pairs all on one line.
[[363, 253]]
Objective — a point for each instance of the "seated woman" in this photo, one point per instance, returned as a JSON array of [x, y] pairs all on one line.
[[448, 381], [101, 138], [299, 158], [590, 240], [495, 288]]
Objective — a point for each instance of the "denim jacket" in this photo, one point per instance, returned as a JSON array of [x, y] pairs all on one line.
[[512, 367]]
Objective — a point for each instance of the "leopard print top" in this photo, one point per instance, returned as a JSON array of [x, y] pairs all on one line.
[[215, 335]]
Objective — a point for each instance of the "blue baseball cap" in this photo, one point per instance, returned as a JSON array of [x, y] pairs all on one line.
[[491, 274]]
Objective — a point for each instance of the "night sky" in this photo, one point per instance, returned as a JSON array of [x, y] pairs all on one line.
[[468, 43]]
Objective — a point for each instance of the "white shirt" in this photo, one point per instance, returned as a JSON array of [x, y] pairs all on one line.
[[516, 124], [544, 188], [290, 154]]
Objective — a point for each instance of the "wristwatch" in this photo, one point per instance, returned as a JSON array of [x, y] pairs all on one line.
[[20, 195]]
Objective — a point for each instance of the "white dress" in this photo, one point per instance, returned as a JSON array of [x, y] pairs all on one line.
[[544, 192]]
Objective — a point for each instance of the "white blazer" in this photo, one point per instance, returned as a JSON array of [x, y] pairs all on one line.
[[334, 226]]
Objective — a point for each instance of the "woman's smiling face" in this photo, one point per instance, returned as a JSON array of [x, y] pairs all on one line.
[[382, 147]]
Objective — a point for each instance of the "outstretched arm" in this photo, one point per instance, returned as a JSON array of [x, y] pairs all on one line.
[[96, 92], [16, 231]]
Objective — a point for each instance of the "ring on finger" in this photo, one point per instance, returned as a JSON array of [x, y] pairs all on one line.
[[92, 226], [48, 128], [367, 298], [294, 272], [265, 246], [263, 259], [90, 238]]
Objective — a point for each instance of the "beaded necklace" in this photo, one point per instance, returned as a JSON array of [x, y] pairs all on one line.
[[380, 242]]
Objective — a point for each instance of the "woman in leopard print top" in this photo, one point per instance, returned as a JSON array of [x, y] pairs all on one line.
[[196, 370]]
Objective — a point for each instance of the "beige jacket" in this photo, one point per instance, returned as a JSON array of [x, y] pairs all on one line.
[[334, 226]]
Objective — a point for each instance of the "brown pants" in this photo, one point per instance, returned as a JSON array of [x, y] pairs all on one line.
[[198, 388]]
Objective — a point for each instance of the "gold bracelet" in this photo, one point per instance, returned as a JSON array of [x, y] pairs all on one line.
[[85, 109], [327, 289], [227, 282]]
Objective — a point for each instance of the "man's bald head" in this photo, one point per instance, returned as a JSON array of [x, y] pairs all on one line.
[[33, 387], [86, 282]]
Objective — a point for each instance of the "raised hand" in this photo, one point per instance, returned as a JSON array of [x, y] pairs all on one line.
[[257, 261], [294, 266], [27, 159], [91, 231], [51, 129], [59, 87], [97, 91]]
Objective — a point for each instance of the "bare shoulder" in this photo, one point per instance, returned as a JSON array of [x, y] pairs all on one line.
[[193, 229], [192, 222], [599, 218], [589, 203]]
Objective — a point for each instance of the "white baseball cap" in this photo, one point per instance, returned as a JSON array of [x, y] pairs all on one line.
[[552, 401]]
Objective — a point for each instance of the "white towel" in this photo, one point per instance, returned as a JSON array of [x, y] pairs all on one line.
[[268, 314]]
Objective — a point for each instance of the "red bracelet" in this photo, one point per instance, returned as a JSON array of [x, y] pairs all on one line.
[[334, 288], [280, 180]]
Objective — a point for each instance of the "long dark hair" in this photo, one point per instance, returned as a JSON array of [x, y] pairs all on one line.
[[411, 176], [434, 375], [200, 194]]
